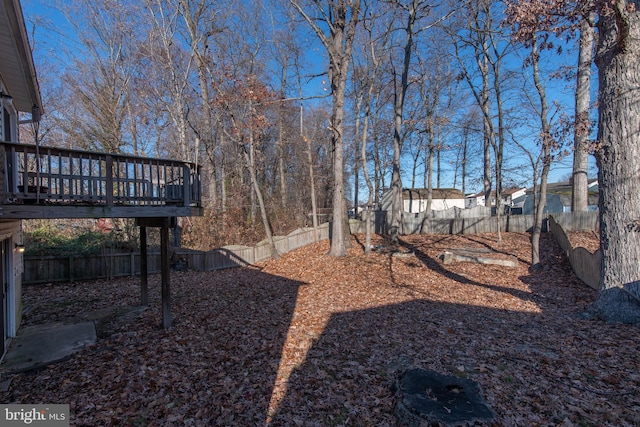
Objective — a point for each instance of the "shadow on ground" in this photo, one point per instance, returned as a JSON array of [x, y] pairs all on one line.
[[366, 320], [216, 365]]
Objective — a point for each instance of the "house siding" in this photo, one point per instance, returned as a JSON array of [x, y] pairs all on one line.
[[10, 234]]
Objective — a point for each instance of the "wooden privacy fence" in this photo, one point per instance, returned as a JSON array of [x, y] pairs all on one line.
[[585, 265], [70, 268], [457, 221]]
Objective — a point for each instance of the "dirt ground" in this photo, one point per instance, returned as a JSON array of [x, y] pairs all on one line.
[[309, 340]]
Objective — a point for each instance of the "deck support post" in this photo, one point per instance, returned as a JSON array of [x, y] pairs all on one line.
[[144, 269], [164, 223], [164, 272]]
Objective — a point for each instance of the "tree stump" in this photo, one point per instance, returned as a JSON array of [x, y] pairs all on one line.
[[428, 397]]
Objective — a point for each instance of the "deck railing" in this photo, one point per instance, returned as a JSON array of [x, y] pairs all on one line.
[[40, 174]]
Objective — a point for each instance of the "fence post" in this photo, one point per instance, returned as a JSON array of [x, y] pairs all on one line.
[[132, 264], [70, 268]]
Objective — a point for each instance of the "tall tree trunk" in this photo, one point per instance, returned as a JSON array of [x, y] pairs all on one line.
[[396, 196], [281, 152], [252, 167], [429, 179], [617, 57], [438, 160], [545, 133], [428, 176], [465, 145], [356, 175], [312, 184], [498, 143], [414, 168], [342, 17], [365, 171], [368, 100], [487, 125], [223, 188], [398, 109], [580, 185], [133, 128], [281, 137], [258, 193], [199, 44]]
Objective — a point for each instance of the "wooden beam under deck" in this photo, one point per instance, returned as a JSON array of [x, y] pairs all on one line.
[[80, 211]]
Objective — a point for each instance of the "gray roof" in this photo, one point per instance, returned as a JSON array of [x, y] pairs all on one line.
[[436, 194]]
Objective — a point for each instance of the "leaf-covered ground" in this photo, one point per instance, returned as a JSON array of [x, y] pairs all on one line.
[[310, 340], [590, 240]]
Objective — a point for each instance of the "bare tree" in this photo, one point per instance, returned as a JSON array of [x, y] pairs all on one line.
[[413, 14], [245, 123], [477, 28], [533, 33], [547, 143], [617, 148], [172, 66], [366, 78], [201, 22], [483, 35], [341, 18], [413, 10], [101, 86], [580, 190]]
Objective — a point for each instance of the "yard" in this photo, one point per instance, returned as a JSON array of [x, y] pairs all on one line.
[[309, 340]]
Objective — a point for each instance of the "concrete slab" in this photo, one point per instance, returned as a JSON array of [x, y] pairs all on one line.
[[38, 346]]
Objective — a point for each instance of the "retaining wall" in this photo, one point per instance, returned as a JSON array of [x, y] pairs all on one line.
[[585, 265]]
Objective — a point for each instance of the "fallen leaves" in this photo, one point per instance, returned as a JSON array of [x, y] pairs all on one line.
[[312, 340]]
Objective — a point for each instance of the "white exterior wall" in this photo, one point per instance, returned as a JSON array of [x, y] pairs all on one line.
[[415, 206], [472, 202], [10, 231], [508, 200]]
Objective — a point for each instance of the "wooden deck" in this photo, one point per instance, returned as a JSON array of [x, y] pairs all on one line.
[[49, 182]]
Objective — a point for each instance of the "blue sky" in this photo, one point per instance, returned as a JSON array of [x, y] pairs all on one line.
[[55, 34]]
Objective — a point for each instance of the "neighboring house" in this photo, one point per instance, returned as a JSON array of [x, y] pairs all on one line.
[[415, 199], [558, 198], [474, 200], [508, 196], [47, 182], [564, 190]]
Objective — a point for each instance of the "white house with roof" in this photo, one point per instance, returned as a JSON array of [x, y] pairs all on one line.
[[508, 196], [559, 198], [415, 199]]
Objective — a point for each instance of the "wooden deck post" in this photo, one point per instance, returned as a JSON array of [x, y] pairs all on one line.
[[109, 179], [144, 270], [165, 272], [164, 223], [186, 185]]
